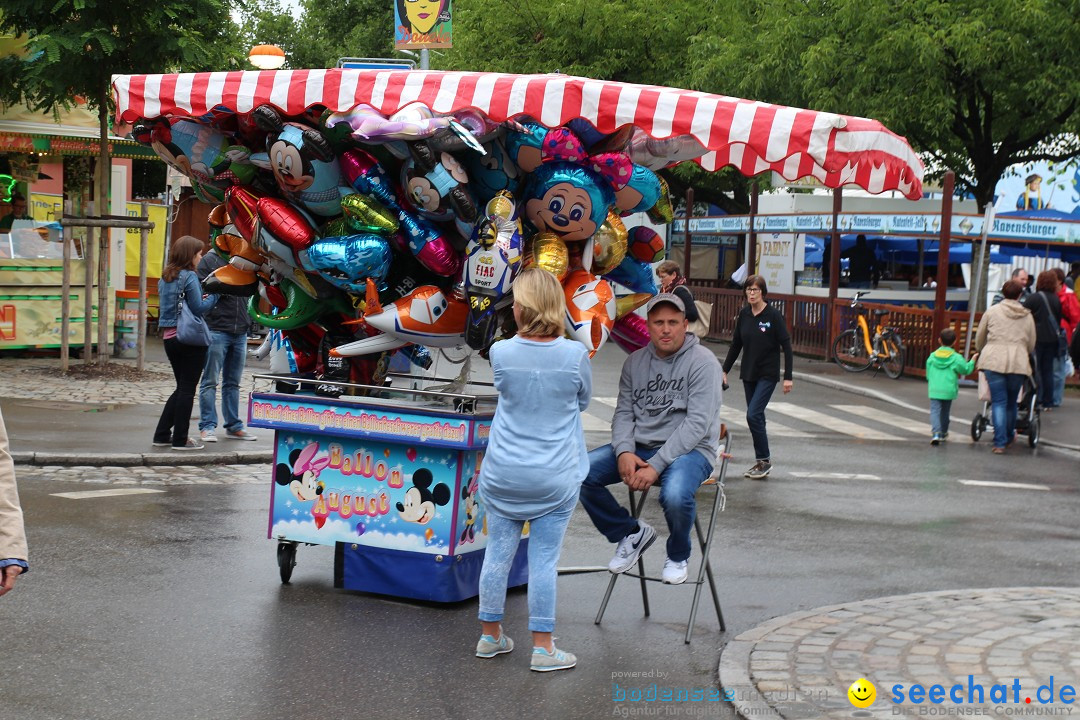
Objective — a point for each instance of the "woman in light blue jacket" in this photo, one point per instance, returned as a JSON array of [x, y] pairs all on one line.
[[187, 360], [535, 462]]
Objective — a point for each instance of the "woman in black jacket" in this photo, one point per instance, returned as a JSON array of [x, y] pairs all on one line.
[[1046, 309], [672, 281], [762, 334]]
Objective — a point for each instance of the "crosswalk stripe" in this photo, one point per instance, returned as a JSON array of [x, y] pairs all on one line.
[[897, 421], [829, 423], [591, 423], [86, 494], [833, 475], [1010, 486], [737, 418]]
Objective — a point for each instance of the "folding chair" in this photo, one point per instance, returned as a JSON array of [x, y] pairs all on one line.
[[715, 482]]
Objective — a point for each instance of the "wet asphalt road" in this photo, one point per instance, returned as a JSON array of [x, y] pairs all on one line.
[[169, 605]]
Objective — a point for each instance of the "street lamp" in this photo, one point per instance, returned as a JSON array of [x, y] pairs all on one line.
[[267, 57]]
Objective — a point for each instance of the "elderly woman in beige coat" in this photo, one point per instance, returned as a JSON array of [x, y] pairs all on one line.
[[12, 533], [1005, 340]]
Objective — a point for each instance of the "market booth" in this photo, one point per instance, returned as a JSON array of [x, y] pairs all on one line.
[[419, 248]]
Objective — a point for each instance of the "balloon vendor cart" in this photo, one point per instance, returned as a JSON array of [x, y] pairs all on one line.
[[389, 479], [383, 212]]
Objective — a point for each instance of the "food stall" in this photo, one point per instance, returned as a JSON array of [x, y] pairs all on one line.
[[387, 211]]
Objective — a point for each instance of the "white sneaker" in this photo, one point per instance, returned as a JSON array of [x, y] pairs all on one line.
[[207, 436], [240, 434], [631, 547], [674, 572]]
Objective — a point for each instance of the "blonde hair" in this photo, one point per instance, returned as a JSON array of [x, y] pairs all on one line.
[[541, 303], [181, 254]]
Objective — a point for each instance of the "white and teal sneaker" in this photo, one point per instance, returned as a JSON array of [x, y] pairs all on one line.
[[544, 661], [489, 647]]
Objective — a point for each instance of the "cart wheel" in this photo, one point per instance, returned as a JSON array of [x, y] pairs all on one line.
[[286, 560], [1033, 432], [977, 427]]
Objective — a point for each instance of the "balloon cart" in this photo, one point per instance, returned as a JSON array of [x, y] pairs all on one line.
[[389, 479]]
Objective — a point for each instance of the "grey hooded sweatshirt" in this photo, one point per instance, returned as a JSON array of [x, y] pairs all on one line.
[[671, 403]]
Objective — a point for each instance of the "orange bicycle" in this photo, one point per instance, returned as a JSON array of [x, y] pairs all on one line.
[[856, 349]]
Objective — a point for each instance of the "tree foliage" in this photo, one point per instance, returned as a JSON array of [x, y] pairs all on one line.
[[975, 85]]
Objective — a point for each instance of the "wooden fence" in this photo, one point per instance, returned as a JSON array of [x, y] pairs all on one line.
[[807, 321]]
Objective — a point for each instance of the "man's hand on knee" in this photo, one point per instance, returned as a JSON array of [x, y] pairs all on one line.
[[629, 464], [645, 477]]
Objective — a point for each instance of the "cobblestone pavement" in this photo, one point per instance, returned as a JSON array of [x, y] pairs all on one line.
[[801, 665], [246, 474], [35, 379]]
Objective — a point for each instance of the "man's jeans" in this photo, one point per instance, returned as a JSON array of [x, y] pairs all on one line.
[[1004, 390], [225, 358], [1059, 381], [678, 484]]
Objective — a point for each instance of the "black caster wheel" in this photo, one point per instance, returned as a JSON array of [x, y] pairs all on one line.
[[286, 559]]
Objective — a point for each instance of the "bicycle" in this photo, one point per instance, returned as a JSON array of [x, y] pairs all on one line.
[[856, 350]]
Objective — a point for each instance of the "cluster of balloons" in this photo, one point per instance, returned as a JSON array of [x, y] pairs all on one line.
[[369, 234]]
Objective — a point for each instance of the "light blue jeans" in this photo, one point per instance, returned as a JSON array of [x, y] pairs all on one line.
[[225, 358], [1004, 389], [1059, 381], [939, 416], [545, 544]]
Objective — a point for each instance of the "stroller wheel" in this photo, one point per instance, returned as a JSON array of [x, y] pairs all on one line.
[[1033, 432], [977, 427]]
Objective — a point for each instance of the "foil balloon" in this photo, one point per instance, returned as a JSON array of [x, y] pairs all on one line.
[[426, 316], [302, 161], [569, 200], [366, 214], [348, 262], [590, 309], [240, 275], [492, 172], [200, 152], [646, 245], [609, 245], [524, 146], [626, 304], [286, 222], [493, 259], [429, 246], [300, 308], [365, 175], [437, 186], [630, 332], [655, 154], [242, 202], [468, 129], [662, 212], [640, 193], [413, 122], [634, 274], [549, 252]]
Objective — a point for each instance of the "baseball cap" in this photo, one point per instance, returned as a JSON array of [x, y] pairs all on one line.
[[666, 298]]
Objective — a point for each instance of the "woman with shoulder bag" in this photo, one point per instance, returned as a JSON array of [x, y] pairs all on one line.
[[1046, 309], [672, 281], [179, 283]]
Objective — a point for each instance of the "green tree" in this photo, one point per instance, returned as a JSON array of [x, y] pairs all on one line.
[[975, 85]]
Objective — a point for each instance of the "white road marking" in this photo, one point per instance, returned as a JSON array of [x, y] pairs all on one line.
[[833, 475], [591, 423], [1008, 486], [828, 422], [737, 419], [87, 494], [886, 418], [609, 401]]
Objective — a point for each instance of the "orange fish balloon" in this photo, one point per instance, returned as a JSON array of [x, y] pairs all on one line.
[[590, 309], [426, 316]]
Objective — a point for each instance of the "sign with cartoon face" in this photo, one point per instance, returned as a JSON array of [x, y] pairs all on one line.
[[386, 495], [422, 24]]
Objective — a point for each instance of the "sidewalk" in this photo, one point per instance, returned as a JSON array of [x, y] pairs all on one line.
[[1060, 428]]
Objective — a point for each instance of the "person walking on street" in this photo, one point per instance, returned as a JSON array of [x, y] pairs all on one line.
[[1004, 341], [534, 463], [1046, 309], [187, 360], [1070, 319], [761, 335], [665, 431], [229, 322], [13, 554], [944, 367], [672, 281]]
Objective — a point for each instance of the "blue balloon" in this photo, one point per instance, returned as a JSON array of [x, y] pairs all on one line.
[[348, 261], [634, 274]]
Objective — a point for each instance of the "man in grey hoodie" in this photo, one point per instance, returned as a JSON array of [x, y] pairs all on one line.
[[665, 430]]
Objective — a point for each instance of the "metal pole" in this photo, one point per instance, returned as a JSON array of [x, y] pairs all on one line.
[[65, 292], [943, 253], [144, 249], [834, 268], [976, 271], [103, 296], [751, 251], [88, 292], [424, 59], [686, 235]]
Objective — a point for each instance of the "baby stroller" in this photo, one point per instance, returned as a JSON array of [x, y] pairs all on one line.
[[1027, 411]]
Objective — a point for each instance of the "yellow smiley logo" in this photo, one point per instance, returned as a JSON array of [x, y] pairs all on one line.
[[862, 693]]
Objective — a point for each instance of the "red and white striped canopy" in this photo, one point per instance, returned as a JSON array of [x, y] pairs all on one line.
[[751, 136]]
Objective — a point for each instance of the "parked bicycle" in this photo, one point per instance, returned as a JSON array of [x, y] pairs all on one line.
[[856, 349]]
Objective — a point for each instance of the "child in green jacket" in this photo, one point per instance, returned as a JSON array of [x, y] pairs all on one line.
[[943, 369]]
